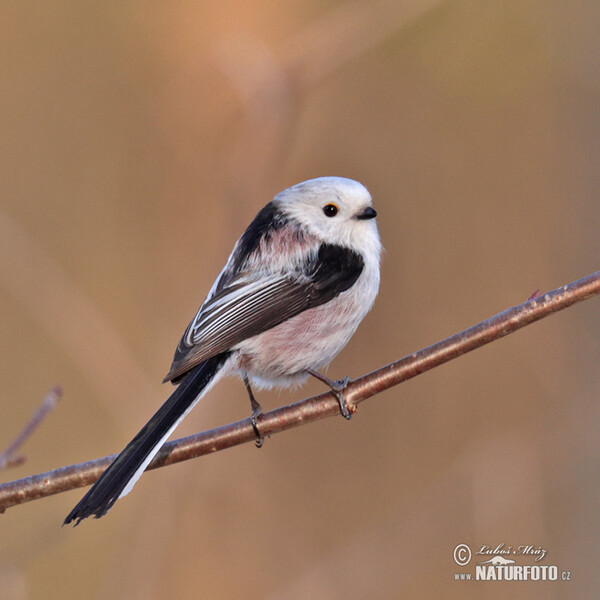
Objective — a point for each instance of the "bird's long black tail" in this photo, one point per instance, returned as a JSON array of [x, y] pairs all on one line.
[[121, 475]]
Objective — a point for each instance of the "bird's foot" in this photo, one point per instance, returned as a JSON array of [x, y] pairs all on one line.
[[256, 412], [337, 387]]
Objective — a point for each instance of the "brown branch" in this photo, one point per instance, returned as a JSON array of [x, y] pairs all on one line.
[[9, 458], [318, 407]]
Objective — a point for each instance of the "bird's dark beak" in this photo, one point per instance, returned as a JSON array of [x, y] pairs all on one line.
[[368, 213]]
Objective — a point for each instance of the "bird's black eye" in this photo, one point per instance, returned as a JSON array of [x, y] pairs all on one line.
[[330, 210]]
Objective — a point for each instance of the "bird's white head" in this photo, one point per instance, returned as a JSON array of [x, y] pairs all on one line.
[[336, 210]]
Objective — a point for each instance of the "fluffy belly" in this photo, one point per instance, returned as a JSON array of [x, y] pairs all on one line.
[[309, 340]]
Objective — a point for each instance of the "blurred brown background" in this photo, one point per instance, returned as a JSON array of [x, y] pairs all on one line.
[[137, 141]]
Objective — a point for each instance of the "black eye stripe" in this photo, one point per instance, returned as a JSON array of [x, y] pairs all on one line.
[[330, 210]]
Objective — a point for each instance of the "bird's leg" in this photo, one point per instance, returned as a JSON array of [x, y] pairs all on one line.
[[337, 387], [256, 412]]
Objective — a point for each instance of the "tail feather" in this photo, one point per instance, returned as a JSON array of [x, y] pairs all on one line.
[[120, 477]]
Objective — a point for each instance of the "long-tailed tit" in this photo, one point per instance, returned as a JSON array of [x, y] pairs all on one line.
[[295, 288]]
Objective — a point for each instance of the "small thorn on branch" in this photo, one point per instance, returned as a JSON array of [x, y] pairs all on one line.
[[9, 458]]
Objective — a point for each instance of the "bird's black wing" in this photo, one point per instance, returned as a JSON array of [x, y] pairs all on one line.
[[251, 303]]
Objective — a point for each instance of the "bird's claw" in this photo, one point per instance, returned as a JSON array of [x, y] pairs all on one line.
[[338, 388], [260, 440]]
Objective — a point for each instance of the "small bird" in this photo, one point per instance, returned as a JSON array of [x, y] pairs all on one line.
[[296, 286]]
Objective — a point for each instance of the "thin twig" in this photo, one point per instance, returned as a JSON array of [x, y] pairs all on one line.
[[9, 457], [318, 407]]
